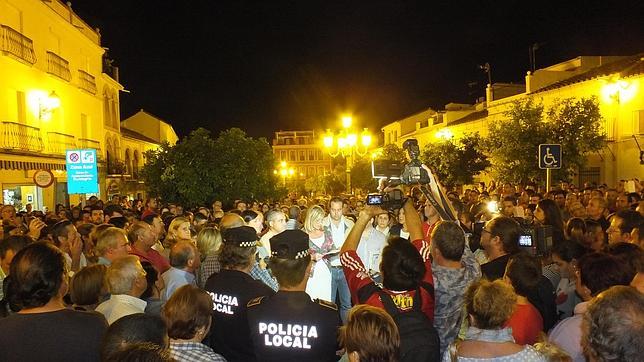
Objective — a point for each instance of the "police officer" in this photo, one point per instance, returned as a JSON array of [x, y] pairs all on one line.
[[289, 326], [231, 289]]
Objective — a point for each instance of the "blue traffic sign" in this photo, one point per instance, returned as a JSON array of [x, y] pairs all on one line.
[[549, 156], [82, 173]]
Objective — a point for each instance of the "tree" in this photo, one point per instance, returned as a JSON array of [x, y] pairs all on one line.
[[394, 153], [199, 169], [576, 125], [456, 162], [361, 176], [513, 143]]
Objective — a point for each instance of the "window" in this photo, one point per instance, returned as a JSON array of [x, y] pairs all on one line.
[[20, 107], [83, 125], [292, 156], [283, 155], [311, 155], [302, 156]]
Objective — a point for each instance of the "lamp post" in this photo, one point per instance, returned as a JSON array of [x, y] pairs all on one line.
[[348, 143], [284, 171]]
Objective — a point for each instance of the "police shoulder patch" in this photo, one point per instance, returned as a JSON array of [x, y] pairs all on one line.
[[327, 304], [254, 302]]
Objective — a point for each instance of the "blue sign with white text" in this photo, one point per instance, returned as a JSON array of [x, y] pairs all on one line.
[[82, 173], [549, 156]]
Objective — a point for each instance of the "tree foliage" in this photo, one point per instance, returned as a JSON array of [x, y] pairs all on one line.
[[456, 162], [576, 125], [394, 153], [361, 177], [199, 169], [513, 143]]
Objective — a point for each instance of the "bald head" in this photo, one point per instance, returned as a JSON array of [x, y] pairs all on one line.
[[183, 254], [230, 220]]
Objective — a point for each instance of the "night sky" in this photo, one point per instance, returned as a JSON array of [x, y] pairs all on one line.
[[285, 65]]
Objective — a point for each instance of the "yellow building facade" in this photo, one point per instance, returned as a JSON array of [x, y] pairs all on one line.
[[616, 82], [301, 151], [57, 92]]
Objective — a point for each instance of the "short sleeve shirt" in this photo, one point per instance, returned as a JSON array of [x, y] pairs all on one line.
[[365, 291]]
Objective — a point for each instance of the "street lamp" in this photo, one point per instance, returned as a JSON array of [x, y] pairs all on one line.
[[348, 143], [284, 171]]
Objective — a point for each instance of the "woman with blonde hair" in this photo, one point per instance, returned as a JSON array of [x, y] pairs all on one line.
[[208, 243], [320, 245], [179, 230]]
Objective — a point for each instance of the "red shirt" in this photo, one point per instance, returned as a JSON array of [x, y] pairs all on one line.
[[153, 257], [526, 324], [427, 231], [365, 291]]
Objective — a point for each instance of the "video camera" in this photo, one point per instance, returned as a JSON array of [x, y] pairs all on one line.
[[391, 200], [536, 240], [407, 174], [396, 174]]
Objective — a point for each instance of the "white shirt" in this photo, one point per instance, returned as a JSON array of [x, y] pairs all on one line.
[[120, 305], [339, 235], [370, 248]]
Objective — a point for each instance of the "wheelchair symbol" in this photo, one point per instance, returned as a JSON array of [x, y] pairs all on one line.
[[548, 159]]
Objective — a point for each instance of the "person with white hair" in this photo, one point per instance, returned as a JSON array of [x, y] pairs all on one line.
[[126, 282]]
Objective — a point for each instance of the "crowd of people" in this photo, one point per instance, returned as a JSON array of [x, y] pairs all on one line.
[[329, 278]]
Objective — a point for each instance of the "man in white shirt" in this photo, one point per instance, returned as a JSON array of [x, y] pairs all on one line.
[[338, 227], [126, 281]]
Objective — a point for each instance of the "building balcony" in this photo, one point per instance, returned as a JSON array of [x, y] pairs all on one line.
[[86, 143], [58, 143], [19, 137], [13, 43], [110, 69], [58, 66], [116, 168], [86, 81]]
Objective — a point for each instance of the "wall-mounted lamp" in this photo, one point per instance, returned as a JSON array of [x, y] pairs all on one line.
[[47, 105]]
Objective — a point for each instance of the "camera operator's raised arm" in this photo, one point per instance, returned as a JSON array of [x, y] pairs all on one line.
[[412, 219], [353, 239]]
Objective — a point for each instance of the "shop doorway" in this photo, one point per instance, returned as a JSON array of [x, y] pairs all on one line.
[[21, 195]]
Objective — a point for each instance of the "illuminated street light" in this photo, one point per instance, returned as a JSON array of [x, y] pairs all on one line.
[[46, 105], [284, 171], [348, 144]]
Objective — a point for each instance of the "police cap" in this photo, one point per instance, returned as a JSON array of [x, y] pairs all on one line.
[[242, 236], [290, 244]]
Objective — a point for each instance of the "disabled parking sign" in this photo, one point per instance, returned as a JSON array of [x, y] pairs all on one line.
[[82, 173], [549, 156]]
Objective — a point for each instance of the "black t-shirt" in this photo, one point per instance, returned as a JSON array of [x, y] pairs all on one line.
[[65, 335], [230, 291], [289, 326]]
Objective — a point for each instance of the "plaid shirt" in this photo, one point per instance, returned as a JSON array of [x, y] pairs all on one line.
[[193, 352], [264, 276], [208, 267]]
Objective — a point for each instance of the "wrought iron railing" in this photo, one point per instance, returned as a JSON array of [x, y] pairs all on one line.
[[17, 136], [58, 142], [86, 81], [58, 66], [16, 44]]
